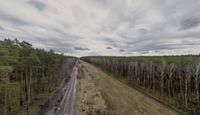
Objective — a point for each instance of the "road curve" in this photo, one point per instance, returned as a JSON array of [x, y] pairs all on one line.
[[65, 103]]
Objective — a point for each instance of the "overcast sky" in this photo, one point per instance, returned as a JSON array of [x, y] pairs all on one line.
[[104, 27]]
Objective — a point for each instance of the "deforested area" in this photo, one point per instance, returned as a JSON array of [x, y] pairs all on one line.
[[99, 57], [29, 77], [172, 79], [119, 98], [89, 99]]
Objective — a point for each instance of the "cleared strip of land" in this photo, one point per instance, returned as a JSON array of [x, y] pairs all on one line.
[[122, 99], [89, 100], [64, 103]]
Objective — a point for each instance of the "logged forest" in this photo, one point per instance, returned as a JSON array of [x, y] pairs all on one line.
[[29, 77], [174, 80], [99, 57]]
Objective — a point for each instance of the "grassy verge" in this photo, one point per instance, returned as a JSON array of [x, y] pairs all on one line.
[[154, 95], [107, 100]]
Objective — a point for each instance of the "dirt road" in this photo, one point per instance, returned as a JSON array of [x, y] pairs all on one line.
[[64, 103], [89, 100], [122, 99]]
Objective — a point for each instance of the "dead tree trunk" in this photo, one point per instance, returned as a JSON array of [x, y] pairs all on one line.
[[162, 75], [196, 71], [187, 78], [170, 74]]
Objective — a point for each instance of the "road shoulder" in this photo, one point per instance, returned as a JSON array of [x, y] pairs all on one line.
[[123, 99], [89, 100]]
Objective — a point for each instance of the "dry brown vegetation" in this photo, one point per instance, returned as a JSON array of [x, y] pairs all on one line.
[[172, 79], [120, 98], [89, 99]]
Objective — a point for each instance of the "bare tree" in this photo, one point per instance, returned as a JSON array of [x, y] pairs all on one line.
[[187, 81], [196, 71], [162, 75], [170, 72]]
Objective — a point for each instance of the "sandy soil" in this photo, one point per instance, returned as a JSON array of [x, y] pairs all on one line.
[[99, 90], [63, 104], [89, 100]]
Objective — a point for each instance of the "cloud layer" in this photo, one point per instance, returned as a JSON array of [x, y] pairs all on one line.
[[104, 27]]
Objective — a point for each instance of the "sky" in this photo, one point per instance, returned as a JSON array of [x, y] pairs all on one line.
[[104, 27]]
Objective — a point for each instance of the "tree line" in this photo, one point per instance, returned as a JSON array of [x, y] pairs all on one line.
[[29, 76], [173, 79]]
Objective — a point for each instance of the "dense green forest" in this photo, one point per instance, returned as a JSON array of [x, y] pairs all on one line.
[[173, 79], [29, 77]]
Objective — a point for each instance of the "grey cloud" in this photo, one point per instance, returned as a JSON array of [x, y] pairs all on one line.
[[190, 42], [56, 30], [62, 50], [60, 33], [11, 19], [121, 50], [66, 35], [157, 51], [145, 43], [143, 31], [161, 46], [144, 52], [189, 23], [108, 48], [119, 13], [100, 3], [126, 27], [38, 4], [153, 45], [82, 49], [157, 39], [110, 42], [51, 43], [183, 13], [108, 39], [1, 28]]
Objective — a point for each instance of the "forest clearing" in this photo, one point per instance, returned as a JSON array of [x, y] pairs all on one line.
[[99, 57], [37, 82], [113, 97]]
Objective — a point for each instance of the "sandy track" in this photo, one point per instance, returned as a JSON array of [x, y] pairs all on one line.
[[124, 100], [89, 100], [65, 105]]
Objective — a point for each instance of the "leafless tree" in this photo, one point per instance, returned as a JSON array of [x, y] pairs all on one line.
[[162, 75], [187, 81], [170, 72], [196, 71]]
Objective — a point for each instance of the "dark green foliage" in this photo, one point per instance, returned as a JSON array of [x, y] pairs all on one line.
[[28, 75]]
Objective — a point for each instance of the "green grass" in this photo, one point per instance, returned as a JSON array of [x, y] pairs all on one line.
[[34, 110]]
